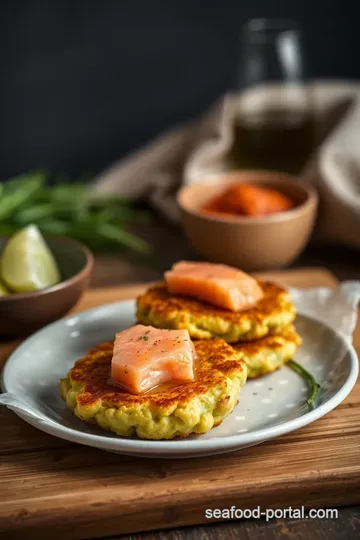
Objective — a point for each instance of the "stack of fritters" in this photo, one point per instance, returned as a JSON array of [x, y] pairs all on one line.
[[264, 334]]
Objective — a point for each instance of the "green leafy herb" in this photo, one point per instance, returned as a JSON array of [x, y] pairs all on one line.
[[313, 385], [71, 209], [17, 192]]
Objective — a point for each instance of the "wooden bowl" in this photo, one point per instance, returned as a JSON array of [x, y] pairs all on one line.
[[250, 243], [23, 313]]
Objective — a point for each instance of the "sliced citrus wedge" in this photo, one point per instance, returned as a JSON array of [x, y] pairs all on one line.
[[3, 290], [27, 263]]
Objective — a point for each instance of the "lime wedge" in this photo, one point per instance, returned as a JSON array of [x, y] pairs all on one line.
[[27, 263], [3, 290]]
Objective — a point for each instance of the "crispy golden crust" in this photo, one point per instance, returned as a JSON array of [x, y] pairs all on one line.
[[177, 411], [270, 342], [269, 353], [215, 359], [159, 308]]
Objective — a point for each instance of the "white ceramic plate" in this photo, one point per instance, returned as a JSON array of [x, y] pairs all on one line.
[[269, 407]]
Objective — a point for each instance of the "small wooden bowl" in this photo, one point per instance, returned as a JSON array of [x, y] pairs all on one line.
[[250, 243], [23, 313]]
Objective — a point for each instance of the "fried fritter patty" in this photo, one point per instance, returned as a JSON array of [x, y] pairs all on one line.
[[178, 410], [270, 352], [157, 307]]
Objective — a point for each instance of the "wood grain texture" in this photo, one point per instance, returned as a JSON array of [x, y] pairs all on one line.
[[55, 489]]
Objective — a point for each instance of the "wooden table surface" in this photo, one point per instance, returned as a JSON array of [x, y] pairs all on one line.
[[169, 247]]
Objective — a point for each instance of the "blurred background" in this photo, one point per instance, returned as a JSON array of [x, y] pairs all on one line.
[[86, 82]]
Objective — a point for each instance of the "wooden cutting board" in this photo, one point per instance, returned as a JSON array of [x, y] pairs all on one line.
[[50, 488]]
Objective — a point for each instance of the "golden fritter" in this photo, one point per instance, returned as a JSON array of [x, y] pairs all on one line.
[[270, 352], [174, 410], [159, 308]]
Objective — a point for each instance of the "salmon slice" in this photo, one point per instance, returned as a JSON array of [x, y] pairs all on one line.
[[217, 284], [145, 357]]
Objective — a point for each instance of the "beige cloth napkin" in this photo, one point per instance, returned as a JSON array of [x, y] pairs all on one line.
[[196, 152]]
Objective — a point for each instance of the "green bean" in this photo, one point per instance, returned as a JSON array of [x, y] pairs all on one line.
[[17, 192], [72, 209], [121, 236], [33, 213]]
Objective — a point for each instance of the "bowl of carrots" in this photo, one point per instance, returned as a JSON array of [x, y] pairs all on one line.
[[255, 220]]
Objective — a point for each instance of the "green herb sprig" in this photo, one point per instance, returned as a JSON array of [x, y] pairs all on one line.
[[71, 209], [313, 385]]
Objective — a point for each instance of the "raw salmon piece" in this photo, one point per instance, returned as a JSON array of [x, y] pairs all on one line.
[[145, 357], [217, 284]]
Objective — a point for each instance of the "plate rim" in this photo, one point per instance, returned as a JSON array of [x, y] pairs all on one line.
[[185, 446]]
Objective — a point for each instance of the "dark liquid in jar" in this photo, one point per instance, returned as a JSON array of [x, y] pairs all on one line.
[[274, 139]]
